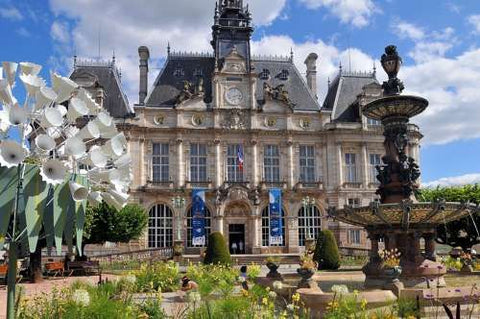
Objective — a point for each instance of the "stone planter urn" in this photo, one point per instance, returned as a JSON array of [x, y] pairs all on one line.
[[392, 273], [178, 250], [273, 273], [307, 282]]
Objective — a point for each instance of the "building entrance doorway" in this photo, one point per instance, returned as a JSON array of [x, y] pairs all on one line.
[[236, 238]]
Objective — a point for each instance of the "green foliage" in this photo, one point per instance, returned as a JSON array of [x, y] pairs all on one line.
[[407, 307], [213, 279], [85, 301], [217, 250], [326, 251], [452, 263], [159, 276], [350, 306], [453, 233], [105, 223]]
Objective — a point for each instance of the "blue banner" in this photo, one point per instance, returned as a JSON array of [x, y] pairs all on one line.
[[198, 217], [275, 203]]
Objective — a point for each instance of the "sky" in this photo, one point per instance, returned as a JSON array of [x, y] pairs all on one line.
[[439, 41]]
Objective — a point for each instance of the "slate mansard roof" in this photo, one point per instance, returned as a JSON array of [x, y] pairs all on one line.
[[105, 74], [343, 92], [184, 67]]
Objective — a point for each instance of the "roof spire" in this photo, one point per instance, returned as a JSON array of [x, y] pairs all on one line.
[[374, 69], [328, 81], [75, 61], [291, 54], [340, 66], [168, 49], [113, 57]]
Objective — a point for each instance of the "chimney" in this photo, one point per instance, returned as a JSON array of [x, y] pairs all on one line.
[[144, 55], [311, 63]]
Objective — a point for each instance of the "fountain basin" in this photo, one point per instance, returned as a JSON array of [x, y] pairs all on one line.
[[403, 106]]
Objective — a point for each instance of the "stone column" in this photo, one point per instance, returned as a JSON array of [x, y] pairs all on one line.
[[180, 163], [291, 179], [364, 163], [340, 163], [430, 246], [254, 162], [144, 55], [218, 163], [257, 224]]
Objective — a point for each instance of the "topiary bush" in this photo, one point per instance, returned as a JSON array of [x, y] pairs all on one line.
[[217, 250], [326, 251]]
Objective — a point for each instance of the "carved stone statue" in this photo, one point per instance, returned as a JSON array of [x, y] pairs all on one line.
[[267, 91], [186, 92]]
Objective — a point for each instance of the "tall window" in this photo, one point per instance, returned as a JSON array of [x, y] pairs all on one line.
[[208, 224], [160, 226], [350, 168], [266, 227], [160, 162], [375, 160], [353, 236], [373, 122], [307, 163], [271, 163], [234, 173], [198, 162], [354, 202], [309, 223]]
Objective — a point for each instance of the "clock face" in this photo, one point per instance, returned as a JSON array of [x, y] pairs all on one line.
[[234, 96]]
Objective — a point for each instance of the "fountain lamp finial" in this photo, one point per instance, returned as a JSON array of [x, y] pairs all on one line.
[[391, 63]]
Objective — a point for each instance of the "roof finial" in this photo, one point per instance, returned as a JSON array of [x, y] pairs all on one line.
[[340, 66], [374, 69], [168, 48], [113, 57], [75, 61], [328, 81], [291, 54]]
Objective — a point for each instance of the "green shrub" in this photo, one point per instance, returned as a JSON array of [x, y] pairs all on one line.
[[326, 252], [163, 276], [217, 250]]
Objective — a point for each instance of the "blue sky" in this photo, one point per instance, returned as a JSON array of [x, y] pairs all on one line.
[[439, 41]]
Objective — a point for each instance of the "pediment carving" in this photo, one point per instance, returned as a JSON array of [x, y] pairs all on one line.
[[235, 119]]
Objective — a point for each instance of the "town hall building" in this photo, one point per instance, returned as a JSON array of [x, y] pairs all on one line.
[[236, 126]]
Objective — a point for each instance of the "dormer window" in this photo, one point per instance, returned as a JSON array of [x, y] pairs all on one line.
[[265, 74], [179, 72], [284, 75], [198, 73]]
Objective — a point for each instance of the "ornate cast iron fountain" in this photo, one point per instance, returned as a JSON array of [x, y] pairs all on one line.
[[399, 219]]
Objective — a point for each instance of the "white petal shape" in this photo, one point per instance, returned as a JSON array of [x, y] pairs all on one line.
[[63, 86], [32, 83], [51, 117], [71, 131], [76, 108], [75, 147], [89, 101], [54, 132], [53, 172], [4, 121], [17, 115], [44, 97], [79, 192], [10, 69], [30, 68], [110, 200], [28, 130], [6, 95], [89, 131], [115, 147], [95, 157], [11, 153], [45, 143], [123, 160], [62, 109], [119, 196], [95, 198], [120, 176]]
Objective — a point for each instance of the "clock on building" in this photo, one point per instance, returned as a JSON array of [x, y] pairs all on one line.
[[233, 96]]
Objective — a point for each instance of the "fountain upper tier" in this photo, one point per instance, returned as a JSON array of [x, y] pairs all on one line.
[[395, 106]]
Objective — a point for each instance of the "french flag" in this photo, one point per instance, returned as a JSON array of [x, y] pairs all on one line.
[[240, 157]]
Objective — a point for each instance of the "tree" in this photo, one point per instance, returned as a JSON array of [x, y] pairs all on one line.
[[326, 251], [105, 223], [463, 232], [217, 250]]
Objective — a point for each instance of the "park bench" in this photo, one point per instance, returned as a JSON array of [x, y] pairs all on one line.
[[54, 268], [86, 267]]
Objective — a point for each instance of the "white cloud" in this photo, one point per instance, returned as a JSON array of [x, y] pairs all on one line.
[[454, 181], [474, 20], [407, 30], [355, 12], [11, 13], [23, 32], [59, 32], [124, 25]]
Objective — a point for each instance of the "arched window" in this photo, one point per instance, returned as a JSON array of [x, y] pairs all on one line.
[[265, 74], [208, 223], [284, 75], [160, 226], [266, 227], [309, 223]]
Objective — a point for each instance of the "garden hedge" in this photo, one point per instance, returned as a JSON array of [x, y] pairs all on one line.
[[217, 250], [326, 251]]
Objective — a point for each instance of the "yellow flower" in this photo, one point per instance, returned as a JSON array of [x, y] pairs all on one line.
[[363, 303], [265, 301], [355, 292], [245, 293], [296, 297]]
